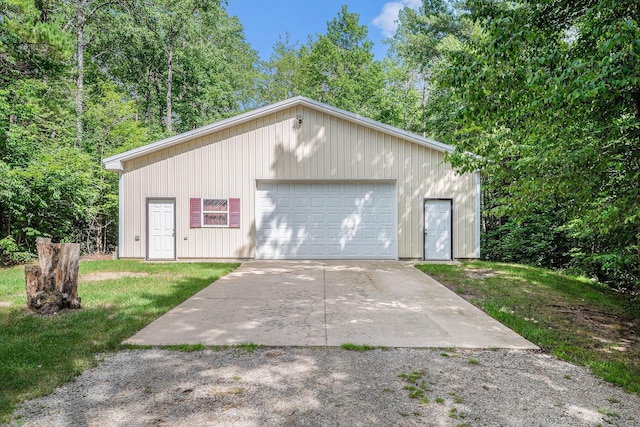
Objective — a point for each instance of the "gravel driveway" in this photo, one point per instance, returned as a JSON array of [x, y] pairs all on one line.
[[296, 386]]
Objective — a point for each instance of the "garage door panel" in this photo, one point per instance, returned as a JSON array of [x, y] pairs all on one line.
[[334, 233], [326, 221], [318, 250], [335, 217], [300, 219], [334, 202], [369, 218], [301, 202], [317, 218], [283, 202], [385, 220], [368, 250], [317, 233], [369, 233]]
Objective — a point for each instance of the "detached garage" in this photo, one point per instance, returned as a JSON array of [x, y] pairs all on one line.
[[295, 180]]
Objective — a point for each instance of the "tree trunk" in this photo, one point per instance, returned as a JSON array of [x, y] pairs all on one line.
[[53, 285], [33, 277], [636, 111], [147, 98], [170, 81], [424, 106], [80, 23]]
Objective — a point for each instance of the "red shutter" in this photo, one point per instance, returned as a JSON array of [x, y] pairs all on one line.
[[195, 206], [234, 213]]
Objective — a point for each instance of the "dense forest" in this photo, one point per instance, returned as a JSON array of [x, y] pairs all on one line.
[[543, 98]]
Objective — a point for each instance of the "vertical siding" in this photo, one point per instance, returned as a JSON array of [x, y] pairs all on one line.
[[326, 147]]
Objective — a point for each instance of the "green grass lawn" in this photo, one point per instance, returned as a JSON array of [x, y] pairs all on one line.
[[38, 354], [573, 318]]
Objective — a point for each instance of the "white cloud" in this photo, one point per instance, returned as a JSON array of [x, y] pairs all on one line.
[[387, 21]]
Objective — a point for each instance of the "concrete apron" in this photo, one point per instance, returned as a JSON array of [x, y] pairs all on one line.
[[329, 303]]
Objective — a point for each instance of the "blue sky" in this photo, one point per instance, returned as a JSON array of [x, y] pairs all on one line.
[[265, 20]]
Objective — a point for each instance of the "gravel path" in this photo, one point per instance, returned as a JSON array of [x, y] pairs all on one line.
[[331, 386]]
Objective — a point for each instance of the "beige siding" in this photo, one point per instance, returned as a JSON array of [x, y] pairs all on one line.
[[326, 147]]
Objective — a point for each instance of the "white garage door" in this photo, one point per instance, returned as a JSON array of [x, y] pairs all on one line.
[[326, 221]]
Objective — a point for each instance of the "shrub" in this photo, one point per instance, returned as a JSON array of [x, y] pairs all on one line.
[[10, 253]]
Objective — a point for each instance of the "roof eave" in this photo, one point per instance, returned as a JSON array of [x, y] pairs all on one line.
[[113, 165]]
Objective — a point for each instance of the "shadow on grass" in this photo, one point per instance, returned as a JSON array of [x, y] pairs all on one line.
[[40, 353], [573, 318]]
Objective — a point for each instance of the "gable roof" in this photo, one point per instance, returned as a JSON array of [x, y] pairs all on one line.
[[115, 162]]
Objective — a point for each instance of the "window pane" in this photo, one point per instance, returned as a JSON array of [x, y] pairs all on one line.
[[215, 218], [214, 205]]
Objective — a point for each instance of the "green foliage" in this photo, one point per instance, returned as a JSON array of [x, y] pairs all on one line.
[[336, 68], [547, 99], [360, 347], [212, 68], [537, 240], [10, 252], [185, 348], [280, 76], [416, 385], [53, 184]]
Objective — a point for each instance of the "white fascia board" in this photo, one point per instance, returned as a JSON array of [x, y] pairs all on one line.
[[113, 165], [115, 162], [478, 217], [121, 208]]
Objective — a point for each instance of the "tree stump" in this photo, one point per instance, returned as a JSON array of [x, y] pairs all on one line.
[[53, 285]]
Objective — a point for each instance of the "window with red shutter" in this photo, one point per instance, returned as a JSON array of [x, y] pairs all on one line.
[[214, 213], [234, 213], [195, 214]]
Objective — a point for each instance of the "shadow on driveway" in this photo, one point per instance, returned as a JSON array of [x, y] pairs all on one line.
[[329, 303]]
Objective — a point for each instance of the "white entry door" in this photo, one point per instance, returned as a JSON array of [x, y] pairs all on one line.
[[161, 229], [437, 229]]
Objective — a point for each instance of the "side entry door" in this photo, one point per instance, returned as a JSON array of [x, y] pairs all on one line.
[[437, 229], [161, 236]]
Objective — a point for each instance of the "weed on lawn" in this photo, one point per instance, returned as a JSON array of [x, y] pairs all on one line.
[[185, 348], [416, 385], [361, 347]]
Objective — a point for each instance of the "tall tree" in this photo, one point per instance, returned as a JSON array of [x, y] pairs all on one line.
[[421, 43], [79, 15], [33, 58], [338, 67], [549, 101], [185, 62], [280, 75], [46, 183]]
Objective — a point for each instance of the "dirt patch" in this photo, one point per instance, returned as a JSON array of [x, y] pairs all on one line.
[[615, 332], [109, 275], [96, 257], [479, 273], [5, 304]]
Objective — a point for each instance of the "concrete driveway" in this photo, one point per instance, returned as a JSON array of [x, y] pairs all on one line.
[[329, 303]]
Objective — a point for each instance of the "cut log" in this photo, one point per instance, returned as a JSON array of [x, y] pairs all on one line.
[[53, 285], [67, 274], [48, 256], [33, 277]]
